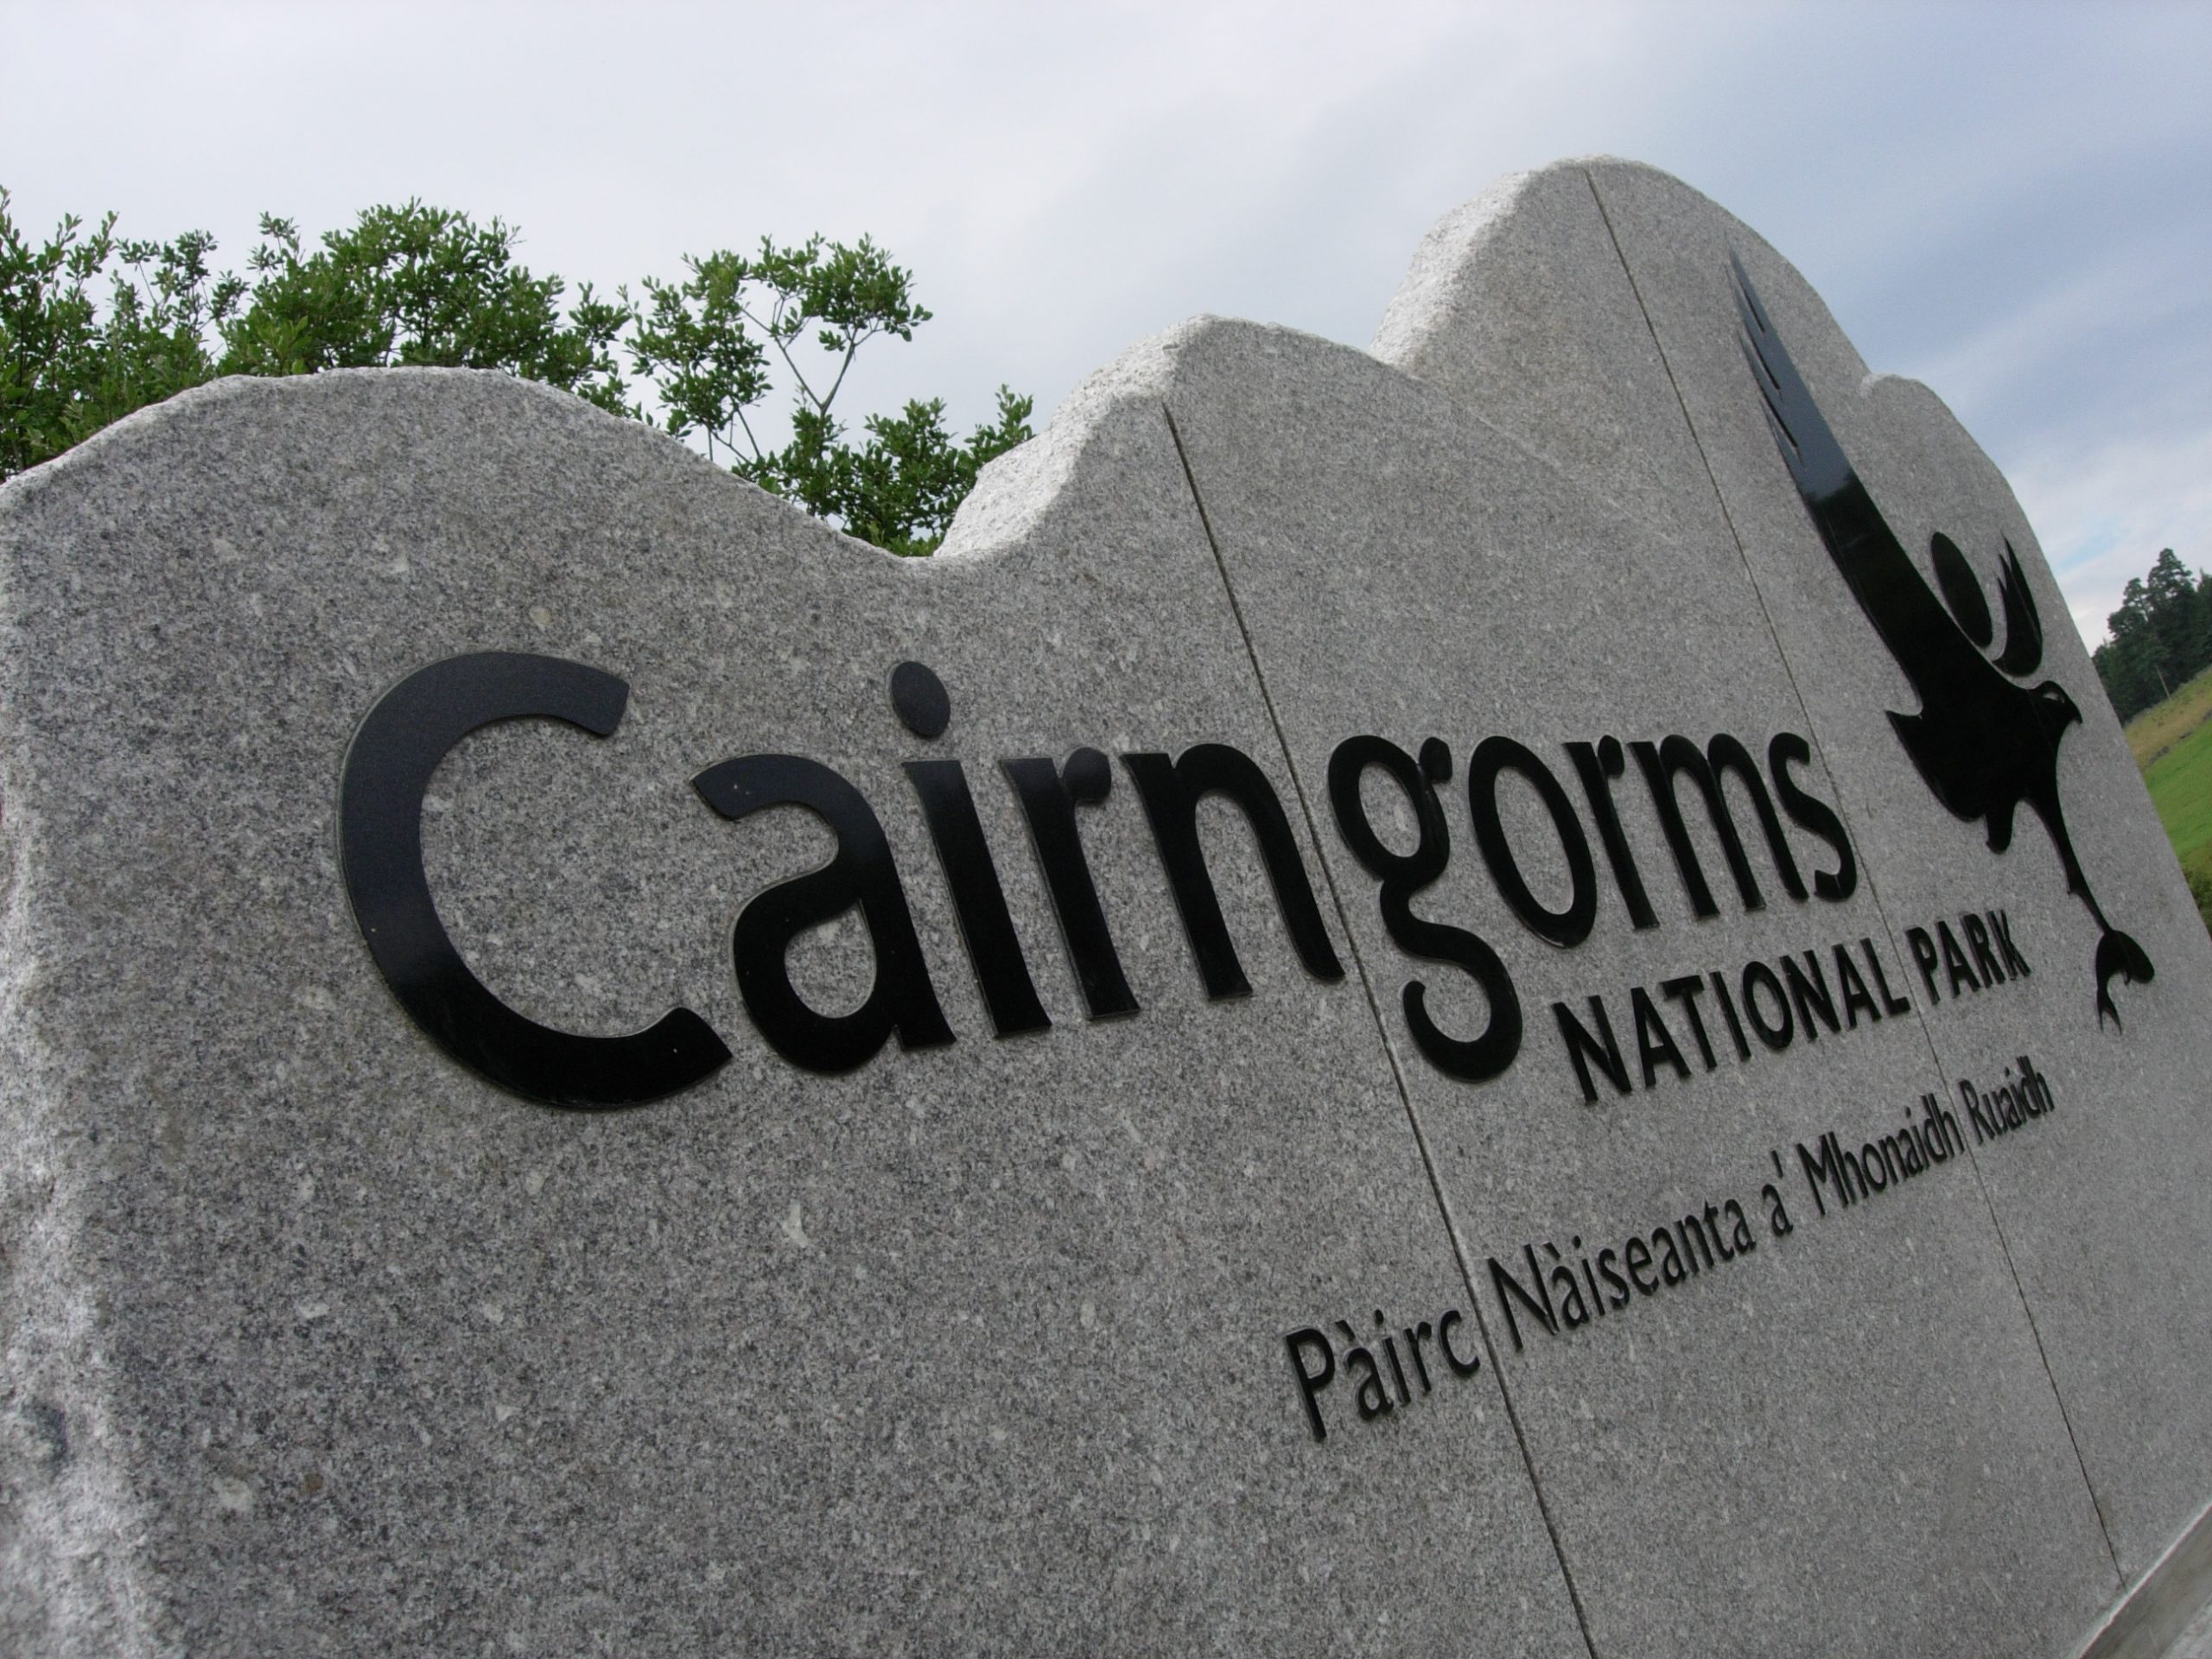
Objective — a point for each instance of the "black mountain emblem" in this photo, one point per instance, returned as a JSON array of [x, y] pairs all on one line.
[[1984, 741]]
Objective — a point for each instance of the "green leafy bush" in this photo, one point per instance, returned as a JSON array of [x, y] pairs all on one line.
[[93, 326]]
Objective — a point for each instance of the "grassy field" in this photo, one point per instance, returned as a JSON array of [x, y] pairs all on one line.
[[2172, 743], [2154, 731]]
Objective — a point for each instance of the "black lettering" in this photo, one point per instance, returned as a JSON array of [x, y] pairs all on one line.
[[1612, 1278], [387, 772], [1596, 767], [1685, 991], [902, 1000], [1636, 1254], [1977, 931], [1713, 1230], [1415, 1335], [1956, 965], [1778, 1213], [1728, 1011], [1170, 792], [1391, 1353], [1871, 1164], [1695, 1242], [1371, 1397], [1653, 1043], [1985, 1130], [1923, 957], [1759, 976], [978, 900], [1404, 874], [1808, 990], [1831, 1167], [1743, 1227], [1582, 1048], [1049, 795], [1571, 1313], [1504, 1285], [1597, 1302], [1856, 996], [1568, 927], [1459, 1367], [1939, 1130], [1849, 1163], [1902, 1153], [1310, 1383], [1890, 1005], [1730, 759], [1788, 749], [1663, 765]]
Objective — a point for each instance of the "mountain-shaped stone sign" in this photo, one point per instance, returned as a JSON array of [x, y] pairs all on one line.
[[1403, 1006]]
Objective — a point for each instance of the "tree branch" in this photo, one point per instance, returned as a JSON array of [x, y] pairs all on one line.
[[747, 426]]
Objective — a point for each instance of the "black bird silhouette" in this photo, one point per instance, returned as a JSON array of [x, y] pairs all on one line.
[[1984, 742]]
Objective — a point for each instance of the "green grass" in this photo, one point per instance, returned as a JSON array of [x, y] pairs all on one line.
[[2154, 731], [2172, 743]]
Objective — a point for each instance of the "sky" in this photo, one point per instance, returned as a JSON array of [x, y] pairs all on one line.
[[2013, 203]]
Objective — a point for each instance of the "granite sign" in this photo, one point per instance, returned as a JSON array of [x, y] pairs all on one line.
[[1397, 1008]]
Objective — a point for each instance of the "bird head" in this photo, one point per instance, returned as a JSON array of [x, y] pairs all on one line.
[[2059, 710]]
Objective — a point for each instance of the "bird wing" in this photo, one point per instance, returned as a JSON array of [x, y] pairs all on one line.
[[1923, 636], [2022, 653]]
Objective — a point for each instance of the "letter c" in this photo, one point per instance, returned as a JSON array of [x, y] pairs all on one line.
[[388, 769], [1459, 1368]]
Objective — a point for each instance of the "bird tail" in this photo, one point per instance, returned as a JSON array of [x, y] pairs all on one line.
[[2119, 957]]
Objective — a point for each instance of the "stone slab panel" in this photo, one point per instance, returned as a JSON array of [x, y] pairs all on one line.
[[1518, 304], [1775, 1455], [319, 1343], [2106, 1206]]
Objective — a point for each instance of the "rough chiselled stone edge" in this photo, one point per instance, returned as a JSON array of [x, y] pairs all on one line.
[[2153, 1613], [1444, 264]]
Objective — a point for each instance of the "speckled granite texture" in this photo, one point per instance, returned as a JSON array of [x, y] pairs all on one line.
[[316, 1343]]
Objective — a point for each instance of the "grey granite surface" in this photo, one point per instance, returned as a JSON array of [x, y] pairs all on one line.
[[319, 1344], [315, 1342], [2106, 1209], [1863, 1394]]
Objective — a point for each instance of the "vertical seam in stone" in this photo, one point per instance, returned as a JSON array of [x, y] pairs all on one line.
[[1873, 888], [1389, 1053]]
